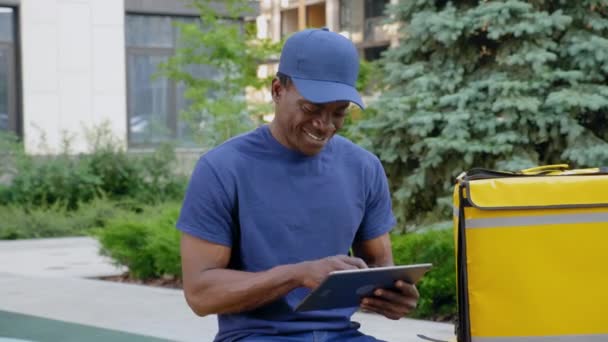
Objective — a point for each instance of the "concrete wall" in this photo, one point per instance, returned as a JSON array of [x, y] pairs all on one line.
[[73, 58]]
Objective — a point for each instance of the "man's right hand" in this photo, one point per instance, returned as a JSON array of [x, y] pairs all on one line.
[[312, 273]]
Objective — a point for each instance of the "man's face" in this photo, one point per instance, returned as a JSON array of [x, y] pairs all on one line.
[[302, 125]]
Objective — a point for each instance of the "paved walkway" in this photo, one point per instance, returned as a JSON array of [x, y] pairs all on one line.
[[47, 279]]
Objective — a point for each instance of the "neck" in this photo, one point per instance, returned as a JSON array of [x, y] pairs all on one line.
[[277, 134]]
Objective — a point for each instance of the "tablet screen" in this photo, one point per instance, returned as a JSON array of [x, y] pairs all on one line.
[[346, 288]]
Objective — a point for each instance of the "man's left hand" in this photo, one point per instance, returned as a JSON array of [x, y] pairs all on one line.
[[393, 304]]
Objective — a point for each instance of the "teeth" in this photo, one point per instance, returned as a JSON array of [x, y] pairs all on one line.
[[314, 136]]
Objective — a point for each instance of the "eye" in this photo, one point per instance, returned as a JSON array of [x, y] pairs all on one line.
[[309, 109], [340, 114]]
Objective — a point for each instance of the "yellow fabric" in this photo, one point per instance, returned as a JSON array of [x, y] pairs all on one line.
[[537, 279], [539, 191]]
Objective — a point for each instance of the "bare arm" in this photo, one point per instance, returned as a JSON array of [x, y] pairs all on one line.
[[211, 288], [375, 252]]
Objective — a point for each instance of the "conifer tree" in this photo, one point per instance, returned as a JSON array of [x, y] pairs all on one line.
[[496, 84]]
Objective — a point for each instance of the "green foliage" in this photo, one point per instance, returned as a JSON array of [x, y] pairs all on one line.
[[68, 179], [18, 222], [43, 181], [226, 45], [496, 84], [10, 149], [438, 287], [367, 83], [147, 178], [147, 243], [367, 78]]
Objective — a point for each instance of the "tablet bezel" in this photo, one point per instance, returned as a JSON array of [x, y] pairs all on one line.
[[409, 273]]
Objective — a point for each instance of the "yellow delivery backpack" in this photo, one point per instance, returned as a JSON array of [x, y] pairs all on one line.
[[532, 255]]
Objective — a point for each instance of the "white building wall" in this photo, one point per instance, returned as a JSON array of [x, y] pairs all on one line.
[[73, 67]]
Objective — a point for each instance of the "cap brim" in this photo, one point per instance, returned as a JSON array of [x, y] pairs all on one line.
[[327, 91]]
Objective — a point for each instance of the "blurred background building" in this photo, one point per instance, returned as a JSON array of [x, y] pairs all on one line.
[[363, 21], [67, 66]]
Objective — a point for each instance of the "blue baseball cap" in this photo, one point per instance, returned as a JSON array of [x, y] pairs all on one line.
[[323, 65]]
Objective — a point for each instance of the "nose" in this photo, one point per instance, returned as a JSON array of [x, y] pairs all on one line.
[[323, 122]]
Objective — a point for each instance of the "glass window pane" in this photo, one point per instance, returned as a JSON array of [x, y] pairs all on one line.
[[345, 14], [186, 128], [4, 84], [6, 24], [148, 100], [375, 8], [154, 112], [149, 31], [374, 53], [289, 22]]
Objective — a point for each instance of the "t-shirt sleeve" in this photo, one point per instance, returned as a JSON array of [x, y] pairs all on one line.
[[378, 218], [208, 204]]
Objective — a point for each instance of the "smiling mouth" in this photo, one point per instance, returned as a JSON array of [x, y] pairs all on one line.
[[314, 137]]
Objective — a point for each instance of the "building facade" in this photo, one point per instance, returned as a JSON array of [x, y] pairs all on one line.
[[363, 21], [69, 67]]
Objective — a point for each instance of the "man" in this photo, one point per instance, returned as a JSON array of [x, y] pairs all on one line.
[[270, 213]]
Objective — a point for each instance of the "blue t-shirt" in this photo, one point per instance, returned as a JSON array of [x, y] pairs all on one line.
[[288, 208]]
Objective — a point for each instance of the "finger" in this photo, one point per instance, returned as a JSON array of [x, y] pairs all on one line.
[[393, 302], [357, 262], [346, 266], [369, 309], [366, 309], [339, 264], [408, 290], [396, 298], [380, 307], [368, 306]]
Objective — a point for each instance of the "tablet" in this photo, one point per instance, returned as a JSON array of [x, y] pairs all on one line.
[[343, 289]]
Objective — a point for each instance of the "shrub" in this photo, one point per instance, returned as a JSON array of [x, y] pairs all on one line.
[[44, 181], [438, 287], [118, 174], [159, 182], [10, 149], [22, 223], [18, 222], [69, 180], [148, 243], [147, 177]]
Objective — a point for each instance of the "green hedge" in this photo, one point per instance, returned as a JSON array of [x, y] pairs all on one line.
[[18, 222], [69, 180], [147, 243], [438, 287]]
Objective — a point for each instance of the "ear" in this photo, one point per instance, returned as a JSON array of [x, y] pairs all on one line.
[[276, 90]]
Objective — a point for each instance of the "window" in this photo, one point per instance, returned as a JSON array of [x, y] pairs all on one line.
[[8, 111], [374, 21], [289, 22], [375, 8], [346, 15], [155, 103], [374, 52], [315, 15]]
